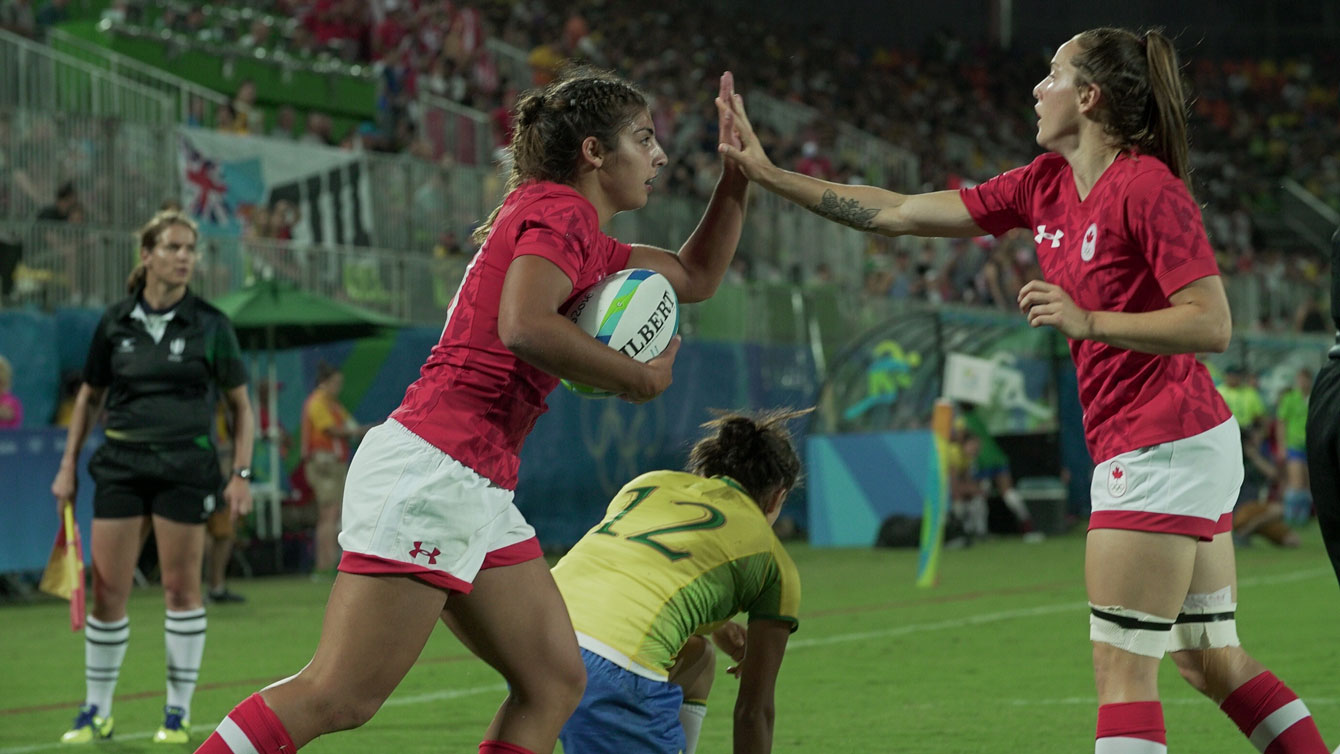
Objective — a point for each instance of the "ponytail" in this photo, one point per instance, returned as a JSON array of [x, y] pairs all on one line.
[[136, 281], [1167, 134]]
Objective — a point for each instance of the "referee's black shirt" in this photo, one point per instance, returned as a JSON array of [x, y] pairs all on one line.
[[164, 390]]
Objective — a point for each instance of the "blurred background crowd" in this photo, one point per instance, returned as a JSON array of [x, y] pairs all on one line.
[[959, 109]]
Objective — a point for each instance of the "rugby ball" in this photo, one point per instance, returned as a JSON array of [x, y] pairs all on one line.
[[635, 312]]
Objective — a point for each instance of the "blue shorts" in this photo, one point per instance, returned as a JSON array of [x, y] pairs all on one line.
[[623, 712], [1295, 454]]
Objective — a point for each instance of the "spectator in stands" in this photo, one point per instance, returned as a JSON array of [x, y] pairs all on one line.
[[328, 434], [225, 118], [286, 120], [52, 14], [66, 200], [11, 408], [17, 17], [155, 356], [643, 614], [249, 118], [317, 130]]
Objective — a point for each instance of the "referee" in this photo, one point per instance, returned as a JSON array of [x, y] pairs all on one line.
[[159, 358], [1323, 426]]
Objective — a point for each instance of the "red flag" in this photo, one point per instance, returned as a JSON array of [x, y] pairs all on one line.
[[64, 574]]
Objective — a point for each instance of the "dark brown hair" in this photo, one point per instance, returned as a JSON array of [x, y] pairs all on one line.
[[551, 124], [754, 450], [1143, 100], [148, 235]]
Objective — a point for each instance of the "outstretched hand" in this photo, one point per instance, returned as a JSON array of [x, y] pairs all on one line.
[[739, 144]]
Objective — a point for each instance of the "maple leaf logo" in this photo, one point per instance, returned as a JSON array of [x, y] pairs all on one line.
[[1116, 473]]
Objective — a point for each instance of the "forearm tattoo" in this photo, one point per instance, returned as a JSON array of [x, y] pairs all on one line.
[[849, 212]]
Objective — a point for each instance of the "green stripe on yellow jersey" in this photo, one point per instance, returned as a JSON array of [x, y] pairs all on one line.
[[676, 555]]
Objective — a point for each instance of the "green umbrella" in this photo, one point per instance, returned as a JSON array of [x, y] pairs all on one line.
[[275, 314]]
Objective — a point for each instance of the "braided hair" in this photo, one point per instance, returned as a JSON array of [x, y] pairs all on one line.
[[755, 451], [552, 122]]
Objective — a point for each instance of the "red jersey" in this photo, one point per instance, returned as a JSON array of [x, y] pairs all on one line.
[[474, 399], [1136, 239]]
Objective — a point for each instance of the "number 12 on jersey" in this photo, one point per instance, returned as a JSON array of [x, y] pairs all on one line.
[[715, 519]]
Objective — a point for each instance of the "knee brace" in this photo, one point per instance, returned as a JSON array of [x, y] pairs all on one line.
[[1207, 621], [1130, 630]]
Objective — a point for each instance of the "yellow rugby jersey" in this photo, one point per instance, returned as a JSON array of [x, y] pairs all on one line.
[[676, 555]]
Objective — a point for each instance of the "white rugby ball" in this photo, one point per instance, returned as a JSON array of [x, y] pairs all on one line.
[[635, 312]]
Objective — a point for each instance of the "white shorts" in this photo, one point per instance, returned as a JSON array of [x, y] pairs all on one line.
[[1186, 486], [411, 509]]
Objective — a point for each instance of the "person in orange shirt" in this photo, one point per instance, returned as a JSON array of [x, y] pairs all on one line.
[[327, 431]]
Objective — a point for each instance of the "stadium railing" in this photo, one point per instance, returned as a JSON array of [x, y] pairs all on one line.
[[463, 133], [33, 76], [1308, 216], [121, 170], [181, 91]]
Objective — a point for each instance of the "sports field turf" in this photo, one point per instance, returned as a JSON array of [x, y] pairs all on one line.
[[994, 659]]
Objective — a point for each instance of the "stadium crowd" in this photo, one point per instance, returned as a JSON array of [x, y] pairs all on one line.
[[953, 104]]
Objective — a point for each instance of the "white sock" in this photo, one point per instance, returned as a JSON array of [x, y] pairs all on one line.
[[104, 649], [691, 716], [1015, 502], [184, 637]]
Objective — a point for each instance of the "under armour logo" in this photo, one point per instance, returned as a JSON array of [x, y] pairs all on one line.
[[432, 556], [1042, 235]]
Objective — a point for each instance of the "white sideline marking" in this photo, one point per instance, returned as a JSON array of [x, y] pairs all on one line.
[[433, 696], [203, 730], [1026, 612]]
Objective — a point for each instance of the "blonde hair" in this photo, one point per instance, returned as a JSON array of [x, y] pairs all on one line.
[[148, 235]]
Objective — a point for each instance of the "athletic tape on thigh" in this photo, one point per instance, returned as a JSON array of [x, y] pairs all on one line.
[[1207, 621], [1131, 630]]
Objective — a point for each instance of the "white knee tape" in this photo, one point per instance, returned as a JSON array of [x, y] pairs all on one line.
[[1131, 630], [1207, 621]]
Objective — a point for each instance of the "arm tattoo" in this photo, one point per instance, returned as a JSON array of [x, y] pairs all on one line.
[[849, 212]]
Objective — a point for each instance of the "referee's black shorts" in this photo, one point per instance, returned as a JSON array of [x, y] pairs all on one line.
[[1323, 455], [180, 482]]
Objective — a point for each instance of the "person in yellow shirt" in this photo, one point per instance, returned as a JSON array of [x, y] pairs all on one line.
[[677, 555], [328, 429]]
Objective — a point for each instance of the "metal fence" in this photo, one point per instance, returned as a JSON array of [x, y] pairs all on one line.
[[36, 77], [121, 170], [67, 264], [189, 100], [454, 130]]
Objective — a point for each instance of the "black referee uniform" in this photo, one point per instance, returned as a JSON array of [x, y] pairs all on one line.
[[163, 372], [1323, 429]]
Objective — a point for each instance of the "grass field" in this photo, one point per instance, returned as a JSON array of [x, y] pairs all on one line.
[[994, 659]]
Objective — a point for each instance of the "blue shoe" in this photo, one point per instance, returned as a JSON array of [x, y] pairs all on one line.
[[88, 727], [176, 729]]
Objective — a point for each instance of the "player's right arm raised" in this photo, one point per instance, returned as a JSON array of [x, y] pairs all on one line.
[[867, 208]]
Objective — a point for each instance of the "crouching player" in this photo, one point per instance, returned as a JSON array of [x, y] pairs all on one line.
[[676, 556]]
